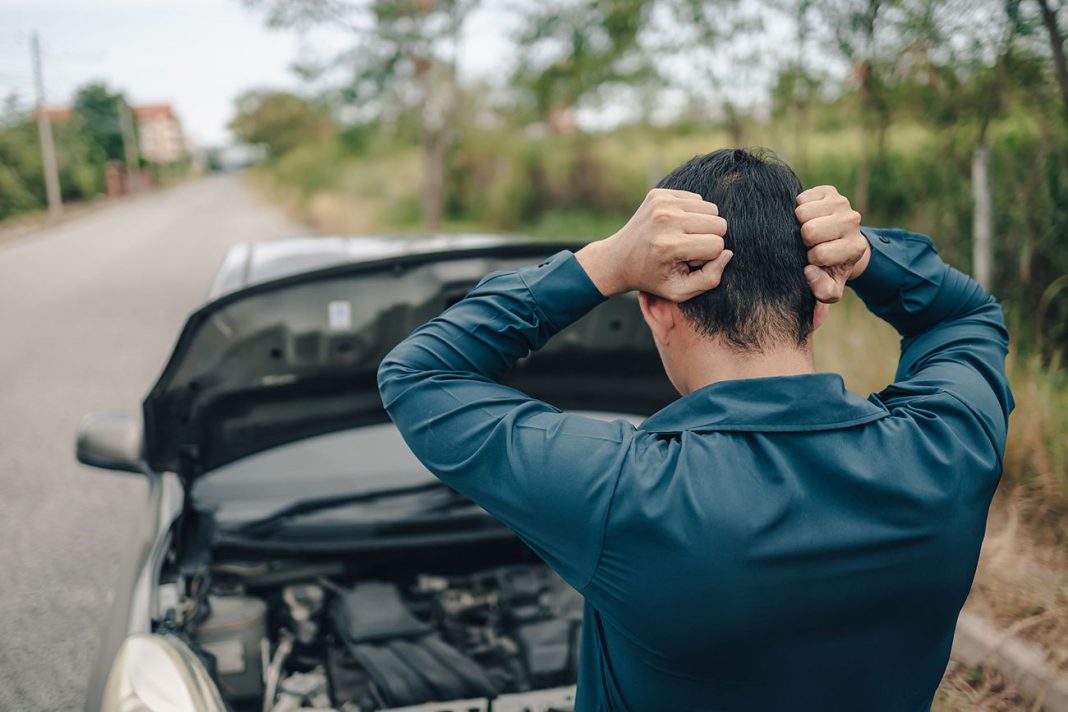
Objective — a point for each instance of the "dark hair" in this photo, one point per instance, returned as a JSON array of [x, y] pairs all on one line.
[[763, 299]]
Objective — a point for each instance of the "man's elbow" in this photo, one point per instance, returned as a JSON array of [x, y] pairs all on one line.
[[390, 372], [994, 315]]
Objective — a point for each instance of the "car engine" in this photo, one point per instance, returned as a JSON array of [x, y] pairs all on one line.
[[503, 639]]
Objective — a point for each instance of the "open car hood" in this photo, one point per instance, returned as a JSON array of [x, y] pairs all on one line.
[[288, 358]]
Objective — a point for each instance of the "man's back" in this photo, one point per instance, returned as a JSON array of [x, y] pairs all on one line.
[[760, 544], [809, 551]]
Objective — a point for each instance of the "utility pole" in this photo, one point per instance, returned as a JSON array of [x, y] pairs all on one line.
[[44, 133], [129, 141]]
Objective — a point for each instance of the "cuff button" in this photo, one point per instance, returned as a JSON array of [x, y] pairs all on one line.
[[885, 239]]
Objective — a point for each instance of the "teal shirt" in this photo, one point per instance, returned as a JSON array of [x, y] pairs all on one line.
[[763, 544]]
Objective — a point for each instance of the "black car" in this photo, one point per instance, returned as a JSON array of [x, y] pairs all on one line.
[[294, 554]]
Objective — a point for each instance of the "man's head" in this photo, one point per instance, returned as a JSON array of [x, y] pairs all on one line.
[[763, 305]]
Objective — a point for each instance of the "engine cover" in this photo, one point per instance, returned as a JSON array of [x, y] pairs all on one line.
[[506, 630]]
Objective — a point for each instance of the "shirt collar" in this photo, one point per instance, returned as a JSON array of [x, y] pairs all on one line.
[[816, 401]]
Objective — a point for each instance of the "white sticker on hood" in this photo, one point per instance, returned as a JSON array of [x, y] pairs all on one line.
[[339, 315]]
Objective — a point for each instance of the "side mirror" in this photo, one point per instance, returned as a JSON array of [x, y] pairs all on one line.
[[112, 441]]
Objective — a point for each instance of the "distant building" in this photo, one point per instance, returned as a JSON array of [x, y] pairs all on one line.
[[159, 133], [57, 114]]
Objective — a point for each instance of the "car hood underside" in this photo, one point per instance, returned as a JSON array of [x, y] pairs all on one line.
[[288, 359]]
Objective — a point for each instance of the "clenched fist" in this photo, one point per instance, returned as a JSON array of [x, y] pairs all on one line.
[[837, 251], [671, 247]]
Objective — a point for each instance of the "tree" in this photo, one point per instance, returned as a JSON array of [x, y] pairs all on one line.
[[279, 120], [1056, 44], [961, 60], [404, 52], [575, 48], [97, 109], [21, 187], [855, 28], [572, 48], [797, 87]]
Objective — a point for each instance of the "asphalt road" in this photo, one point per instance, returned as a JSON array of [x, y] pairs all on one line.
[[89, 310]]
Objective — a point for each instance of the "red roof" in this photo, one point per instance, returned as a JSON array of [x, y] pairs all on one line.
[[154, 111], [58, 114], [63, 114]]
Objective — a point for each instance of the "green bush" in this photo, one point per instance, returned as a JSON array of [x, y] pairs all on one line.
[[311, 167]]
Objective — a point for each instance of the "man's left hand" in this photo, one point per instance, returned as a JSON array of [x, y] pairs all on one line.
[[837, 251]]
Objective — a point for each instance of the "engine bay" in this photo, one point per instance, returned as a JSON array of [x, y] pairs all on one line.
[[280, 637]]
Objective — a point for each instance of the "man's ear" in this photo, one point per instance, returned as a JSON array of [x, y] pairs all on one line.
[[660, 315], [819, 314]]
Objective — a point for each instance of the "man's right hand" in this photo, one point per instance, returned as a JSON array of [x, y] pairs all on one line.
[[837, 251], [671, 247]]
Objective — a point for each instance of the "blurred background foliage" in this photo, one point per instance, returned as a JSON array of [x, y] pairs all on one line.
[[945, 117], [83, 147], [85, 144]]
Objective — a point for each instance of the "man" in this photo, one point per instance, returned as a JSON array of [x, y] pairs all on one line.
[[769, 541]]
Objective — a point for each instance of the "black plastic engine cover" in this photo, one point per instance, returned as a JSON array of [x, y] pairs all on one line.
[[408, 663], [374, 611]]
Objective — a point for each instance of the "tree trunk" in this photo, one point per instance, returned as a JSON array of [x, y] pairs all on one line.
[[1056, 44], [802, 92], [800, 136], [982, 194], [863, 185], [440, 112], [735, 127], [439, 118], [435, 148], [982, 214]]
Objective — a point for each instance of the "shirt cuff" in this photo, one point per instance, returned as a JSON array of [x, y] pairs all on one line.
[[561, 288], [899, 260], [884, 270], [903, 278]]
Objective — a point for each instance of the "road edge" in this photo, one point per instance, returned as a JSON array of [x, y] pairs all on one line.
[[26, 226]]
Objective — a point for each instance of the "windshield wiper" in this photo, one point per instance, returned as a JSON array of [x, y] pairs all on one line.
[[314, 504]]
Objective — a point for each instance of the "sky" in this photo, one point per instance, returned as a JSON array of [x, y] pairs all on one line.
[[194, 54]]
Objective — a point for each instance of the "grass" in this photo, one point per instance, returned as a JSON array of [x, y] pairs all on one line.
[[978, 690]]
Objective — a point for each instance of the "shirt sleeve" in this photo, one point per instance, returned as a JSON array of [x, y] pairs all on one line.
[[953, 335], [549, 476]]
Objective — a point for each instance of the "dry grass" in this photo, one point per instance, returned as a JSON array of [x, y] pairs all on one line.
[[857, 345], [1022, 581], [978, 690], [373, 194]]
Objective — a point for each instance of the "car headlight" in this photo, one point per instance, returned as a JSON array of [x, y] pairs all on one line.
[[158, 673]]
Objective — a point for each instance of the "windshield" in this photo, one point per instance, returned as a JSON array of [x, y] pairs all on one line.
[[341, 465]]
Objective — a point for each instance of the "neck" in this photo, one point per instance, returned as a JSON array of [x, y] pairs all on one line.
[[720, 363]]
